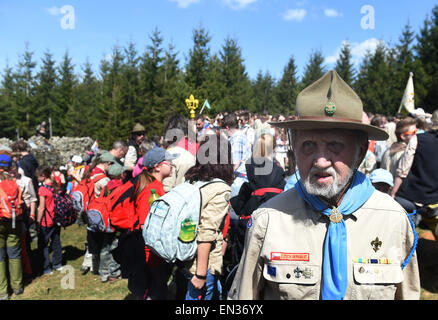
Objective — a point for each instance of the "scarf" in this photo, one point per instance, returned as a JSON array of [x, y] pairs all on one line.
[[335, 273]]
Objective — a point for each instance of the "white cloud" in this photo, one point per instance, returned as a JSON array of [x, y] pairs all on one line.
[[184, 3], [238, 4], [332, 13], [54, 11], [358, 51], [294, 15]]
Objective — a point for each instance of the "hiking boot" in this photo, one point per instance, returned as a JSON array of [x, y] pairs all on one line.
[[47, 272], [114, 279], [84, 270], [17, 292]]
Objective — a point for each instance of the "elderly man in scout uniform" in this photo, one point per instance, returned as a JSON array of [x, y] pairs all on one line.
[[332, 236]]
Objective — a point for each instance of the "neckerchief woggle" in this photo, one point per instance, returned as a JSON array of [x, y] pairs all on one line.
[[335, 271]]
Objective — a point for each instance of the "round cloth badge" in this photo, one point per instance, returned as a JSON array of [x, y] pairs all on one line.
[[249, 223], [330, 108]]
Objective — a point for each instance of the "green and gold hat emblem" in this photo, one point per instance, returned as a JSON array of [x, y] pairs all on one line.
[[330, 108]]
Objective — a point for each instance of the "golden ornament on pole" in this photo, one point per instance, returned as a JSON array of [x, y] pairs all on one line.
[[192, 104]]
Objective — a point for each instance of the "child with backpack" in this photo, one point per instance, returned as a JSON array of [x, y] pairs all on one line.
[[96, 179], [109, 268], [147, 274], [47, 229], [213, 164], [10, 230]]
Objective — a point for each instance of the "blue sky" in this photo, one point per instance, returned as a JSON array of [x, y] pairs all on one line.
[[269, 32]]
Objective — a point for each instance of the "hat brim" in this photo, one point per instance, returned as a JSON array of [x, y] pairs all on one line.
[[374, 133], [170, 156]]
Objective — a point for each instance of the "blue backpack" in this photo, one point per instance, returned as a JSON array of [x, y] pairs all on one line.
[[171, 226]]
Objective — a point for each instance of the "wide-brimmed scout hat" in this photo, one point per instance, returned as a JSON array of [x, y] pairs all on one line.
[[330, 103], [138, 128]]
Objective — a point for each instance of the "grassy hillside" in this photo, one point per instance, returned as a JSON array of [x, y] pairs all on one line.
[[83, 287], [89, 286]]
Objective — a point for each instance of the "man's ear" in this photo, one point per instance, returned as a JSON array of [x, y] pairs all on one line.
[[363, 148]]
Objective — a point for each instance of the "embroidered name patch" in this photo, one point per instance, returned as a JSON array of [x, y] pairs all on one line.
[[285, 256]]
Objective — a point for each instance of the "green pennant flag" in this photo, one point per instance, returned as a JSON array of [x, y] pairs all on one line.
[[206, 104]]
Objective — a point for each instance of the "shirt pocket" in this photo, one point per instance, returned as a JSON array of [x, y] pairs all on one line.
[[292, 280], [376, 281]]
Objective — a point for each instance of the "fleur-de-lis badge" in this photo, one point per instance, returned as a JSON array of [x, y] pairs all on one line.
[[330, 108], [376, 244], [298, 272]]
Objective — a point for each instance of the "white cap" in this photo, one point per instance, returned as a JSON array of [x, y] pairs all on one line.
[[77, 159], [419, 113]]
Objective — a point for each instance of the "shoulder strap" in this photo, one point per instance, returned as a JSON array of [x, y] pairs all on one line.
[[50, 188], [98, 177], [46, 211]]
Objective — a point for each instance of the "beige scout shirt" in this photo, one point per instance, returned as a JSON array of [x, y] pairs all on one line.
[[284, 252], [99, 185], [182, 163], [215, 205], [28, 191], [406, 160]]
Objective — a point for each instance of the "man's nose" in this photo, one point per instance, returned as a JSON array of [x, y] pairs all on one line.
[[322, 161]]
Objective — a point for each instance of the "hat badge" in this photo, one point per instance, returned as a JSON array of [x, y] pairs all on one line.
[[330, 108]]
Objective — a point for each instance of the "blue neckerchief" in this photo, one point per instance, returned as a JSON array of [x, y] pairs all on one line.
[[335, 273]]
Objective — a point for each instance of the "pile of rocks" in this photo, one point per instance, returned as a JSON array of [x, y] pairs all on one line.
[[55, 151]]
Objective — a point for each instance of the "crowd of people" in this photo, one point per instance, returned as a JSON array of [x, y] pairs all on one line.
[[255, 157]]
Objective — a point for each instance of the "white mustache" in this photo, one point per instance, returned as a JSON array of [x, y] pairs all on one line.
[[330, 171]]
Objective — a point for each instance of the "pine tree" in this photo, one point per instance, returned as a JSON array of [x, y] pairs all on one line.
[[374, 84], [8, 107], [264, 94], [426, 84], [344, 66], [174, 87], [112, 99], [47, 107], [287, 88], [130, 89], [67, 82], [314, 69], [404, 63], [25, 90], [151, 84], [235, 82], [198, 64], [82, 119]]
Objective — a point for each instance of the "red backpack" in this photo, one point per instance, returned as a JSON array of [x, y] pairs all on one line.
[[122, 207], [98, 212], [10, 200], [84, 193]]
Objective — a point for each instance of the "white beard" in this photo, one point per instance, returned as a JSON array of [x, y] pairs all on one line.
[[332, 190], [327, 191]]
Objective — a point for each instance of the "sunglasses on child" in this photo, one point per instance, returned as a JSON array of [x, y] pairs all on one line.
[[410, 133]]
